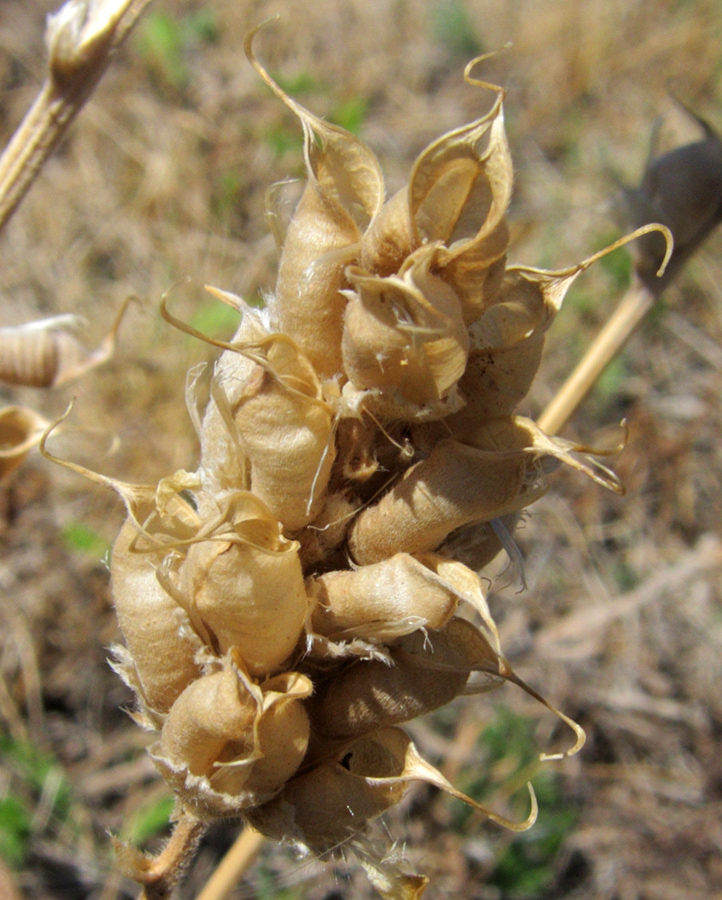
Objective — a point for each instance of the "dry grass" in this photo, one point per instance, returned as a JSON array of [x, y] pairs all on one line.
[[163, 177]]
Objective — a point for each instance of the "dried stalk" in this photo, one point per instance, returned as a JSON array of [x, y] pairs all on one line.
[[82, 38], [633, 307], [233, 866]]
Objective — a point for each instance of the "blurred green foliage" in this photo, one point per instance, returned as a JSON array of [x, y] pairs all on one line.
[[148, 821], [165, 44], [83, 539], [453, 28], [30, 774]]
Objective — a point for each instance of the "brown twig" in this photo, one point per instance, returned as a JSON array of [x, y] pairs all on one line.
[[82, 38]]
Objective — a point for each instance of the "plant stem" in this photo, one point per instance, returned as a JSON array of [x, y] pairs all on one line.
[[233, 865], [88, 34], [633, 307]]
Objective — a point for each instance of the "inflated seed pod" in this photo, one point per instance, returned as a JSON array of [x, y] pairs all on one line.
[[332, 805], [285, 429], [404, 334], [328, 530], [428, 669], [228, 744], [161, 644], [455, 201], [243, 586], [344, 190], [456, 485], [223, 464], [20, 430], [380, 602]]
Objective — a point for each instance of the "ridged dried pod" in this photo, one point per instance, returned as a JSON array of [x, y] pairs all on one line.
[[242, 585], [330, 806], [228, 744], [46, 353], [343, 192], [20, 430]]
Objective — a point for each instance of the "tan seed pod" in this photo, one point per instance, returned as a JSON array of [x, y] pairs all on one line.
[[457, 484], [331, 806], [428, 669], [456, 199], [223, 464], [344, 190], [160, 657], [405, 335], [242, 586], [46, 353], [20, 430], [228, 744], [380, 602], [286, 431], [162, 646]]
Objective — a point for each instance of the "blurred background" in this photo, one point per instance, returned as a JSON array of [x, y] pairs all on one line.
[[161, 182]]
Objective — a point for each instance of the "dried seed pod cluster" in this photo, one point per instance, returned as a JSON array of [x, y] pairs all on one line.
[[293, 602]]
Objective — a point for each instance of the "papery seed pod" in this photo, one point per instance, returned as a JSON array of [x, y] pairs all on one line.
[[243, 586], [223, 464], [544, 452], [507, 343], [160, 657], [404, 334], [456, 200], [20, 430], [228, 744], [161, 644], [428, 669], [46, 353], [456, 485], [344, 190], [286, 432], [332, 805], [380, 602]]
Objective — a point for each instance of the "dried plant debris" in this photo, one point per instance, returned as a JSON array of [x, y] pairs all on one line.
[[292, 603]]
